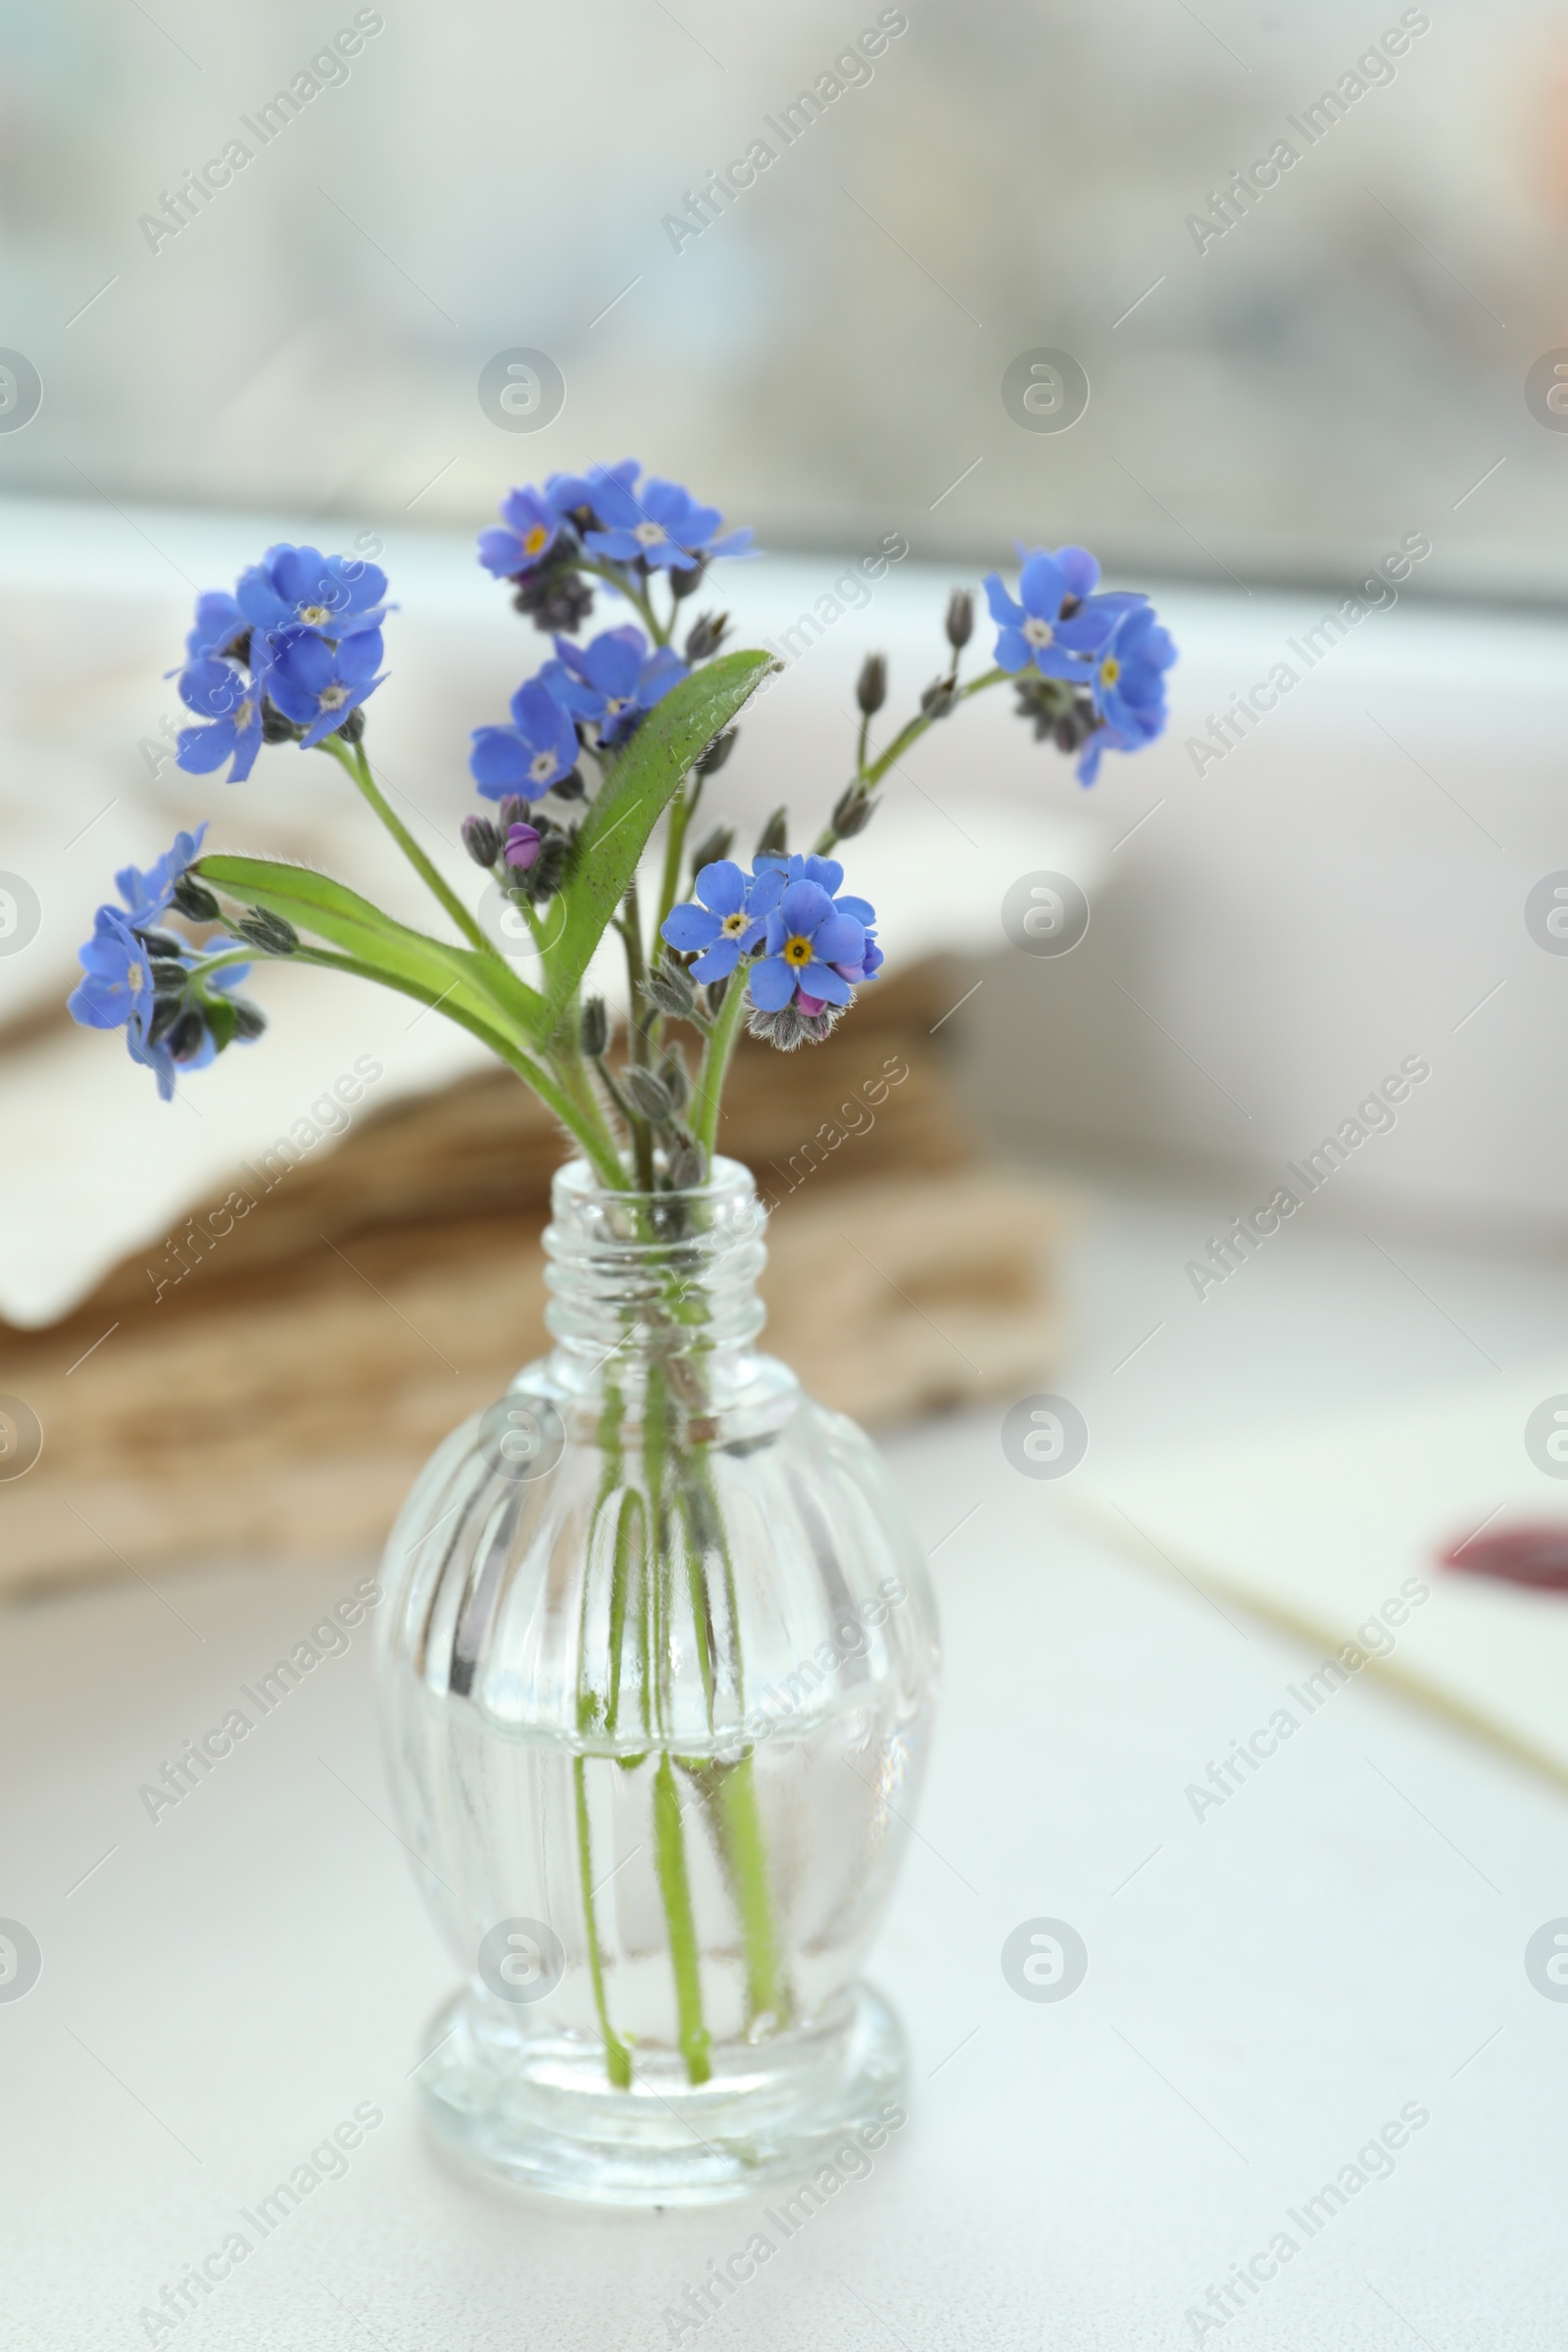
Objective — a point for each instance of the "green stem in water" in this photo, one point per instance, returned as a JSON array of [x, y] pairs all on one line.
[[617, 2058], [745, 1847], [353, 760], [671, 1854]]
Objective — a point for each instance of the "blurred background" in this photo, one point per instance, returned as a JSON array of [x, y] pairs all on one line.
[[1291, 286], [1264, 304], [826, 355]]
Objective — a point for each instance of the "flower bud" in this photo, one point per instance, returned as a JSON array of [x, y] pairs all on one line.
[[482, 840], [706, 635], [675, 1079], [960, 619], [275, 728], [523, 846], [852, 811], [771, 842], [595, 1027], [938, 699], [555, 599], [515, 811], [685, 1163], [646, 1094], [353, 728], [709, 762], [717, 844], [192, 899], [715, 991], [249, 1019], [669, 987], [267, 931], [167, 1010], [186, 1033], [686, 583], [159, 943], [546, 875], [570, 787], [871, 687]]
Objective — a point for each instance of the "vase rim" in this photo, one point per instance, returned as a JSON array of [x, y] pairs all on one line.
[[576, 1181]]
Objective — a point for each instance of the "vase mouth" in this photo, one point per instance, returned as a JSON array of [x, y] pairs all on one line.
[[727, 1199], [637, 1275]]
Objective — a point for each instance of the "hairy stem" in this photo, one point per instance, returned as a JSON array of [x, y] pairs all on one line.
[[702, 1116]]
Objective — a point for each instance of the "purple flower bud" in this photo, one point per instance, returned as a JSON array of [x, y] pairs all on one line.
[[523, 846]]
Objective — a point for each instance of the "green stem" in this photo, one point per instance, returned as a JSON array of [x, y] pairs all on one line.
[[246, 955], [680, 815], [355, 763], [702, 1118], [631, 932], [745, 1846], [617, 2058], [587, 1121], [624, 585], [909, 733], [671, 1854]]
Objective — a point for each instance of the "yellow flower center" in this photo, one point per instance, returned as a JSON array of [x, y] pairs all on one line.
[[1037, 632], [733, 926], [333, 696], [313, 615], [798, 951], [1109, 671], [136, 979], [535, 540], [648, 534]]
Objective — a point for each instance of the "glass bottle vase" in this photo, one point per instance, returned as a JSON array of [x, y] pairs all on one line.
[[658, 1675]]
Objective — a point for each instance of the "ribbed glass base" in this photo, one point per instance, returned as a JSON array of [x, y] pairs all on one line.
[[537, 2110]]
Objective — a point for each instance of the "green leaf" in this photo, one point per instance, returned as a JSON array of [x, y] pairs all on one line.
[[481, 990], [642, 782]]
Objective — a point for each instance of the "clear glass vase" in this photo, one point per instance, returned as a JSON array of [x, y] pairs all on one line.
[[657, 1673]]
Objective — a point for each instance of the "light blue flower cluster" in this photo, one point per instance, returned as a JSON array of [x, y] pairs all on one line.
[[174, 1002], [815, 946], [1107, 650], [610, 516], [608, 525], [301, 634]]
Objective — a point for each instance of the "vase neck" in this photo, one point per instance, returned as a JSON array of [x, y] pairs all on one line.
[[650, 1286]]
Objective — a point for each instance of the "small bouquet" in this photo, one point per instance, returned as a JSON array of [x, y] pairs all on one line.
[[666, 1477], [615, 737]]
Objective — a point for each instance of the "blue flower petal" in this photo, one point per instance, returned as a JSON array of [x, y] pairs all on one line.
[[722, 886], [689, 928], [719, 962], [771, 983]]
